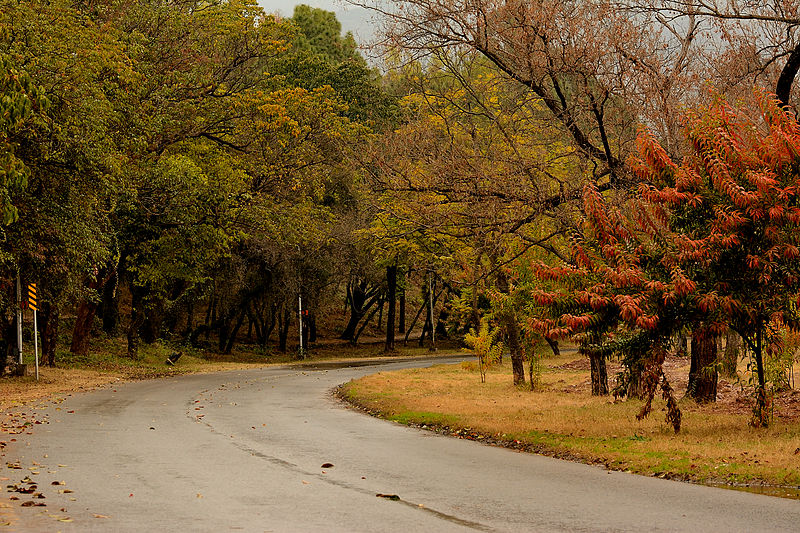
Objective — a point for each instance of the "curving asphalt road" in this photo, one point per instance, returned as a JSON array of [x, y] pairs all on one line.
[[243, 451]]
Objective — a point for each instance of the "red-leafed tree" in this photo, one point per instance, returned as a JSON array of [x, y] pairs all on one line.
[[710, 242], [617, 296], [734, 211]]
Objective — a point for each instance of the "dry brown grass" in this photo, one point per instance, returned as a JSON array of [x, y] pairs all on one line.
[[562, 418]]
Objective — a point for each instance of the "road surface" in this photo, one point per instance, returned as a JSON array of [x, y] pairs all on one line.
[[243, 451]]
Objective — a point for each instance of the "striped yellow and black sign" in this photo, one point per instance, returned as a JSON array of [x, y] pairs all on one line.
[[32, 303]]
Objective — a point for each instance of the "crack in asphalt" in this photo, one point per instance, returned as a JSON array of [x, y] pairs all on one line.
[[326, 479]]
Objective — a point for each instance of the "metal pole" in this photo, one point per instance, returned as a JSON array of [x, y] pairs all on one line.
[[19, 318], [36, 343], [300, 321]]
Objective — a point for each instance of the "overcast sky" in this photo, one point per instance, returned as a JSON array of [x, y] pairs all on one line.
[[354, 19]]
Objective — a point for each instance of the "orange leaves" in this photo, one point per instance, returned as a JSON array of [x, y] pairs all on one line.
[[580, 322], [649, 322], [653, 163], [629, 307], [708, 302], [681, 284], [542, 298]]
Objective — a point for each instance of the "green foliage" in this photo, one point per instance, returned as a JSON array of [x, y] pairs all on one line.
[[486, 345], [19, 99]]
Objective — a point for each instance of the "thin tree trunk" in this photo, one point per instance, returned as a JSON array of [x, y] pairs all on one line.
[[365, 323], [414, 323], [683, 346], [51, 318], [136, 321], [553, 346], [401, 313], [511, 329], [283, 330], [211, 315], [110, 305], [391, 282], [234, 332]]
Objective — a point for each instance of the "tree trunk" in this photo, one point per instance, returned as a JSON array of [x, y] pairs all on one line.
[[761, 413], [365, 323], [312, 327], [683, 346], [414, 322], [110, 306], [636, 387], [283, 330], [211, 315], [391, 282], [599, 375], [153, 322], [136, 321], [235, 331], [510, 327], [511, 330], [50, 320], [733, 350], [82, 331], [401, 313], [553, 346], [361, 298], [703, 371]]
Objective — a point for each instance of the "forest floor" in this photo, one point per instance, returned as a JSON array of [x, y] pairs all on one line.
[[561, 418]]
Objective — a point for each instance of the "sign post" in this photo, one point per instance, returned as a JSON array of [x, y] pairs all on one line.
[[34, 305], [300, 320]]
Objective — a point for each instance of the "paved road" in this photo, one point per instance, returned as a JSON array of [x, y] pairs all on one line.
[[242, 451]]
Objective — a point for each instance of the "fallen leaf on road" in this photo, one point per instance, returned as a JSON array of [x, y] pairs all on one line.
[[393, 497], [100, 516]]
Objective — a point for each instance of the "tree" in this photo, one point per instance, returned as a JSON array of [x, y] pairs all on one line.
[[73, 156], [20, 98], [735, 218], [710, 242]]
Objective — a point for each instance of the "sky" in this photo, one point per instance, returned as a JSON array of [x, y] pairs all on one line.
[[354, 19]]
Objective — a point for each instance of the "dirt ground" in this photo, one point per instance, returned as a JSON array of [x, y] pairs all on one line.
[[734, 396], [52, 382]]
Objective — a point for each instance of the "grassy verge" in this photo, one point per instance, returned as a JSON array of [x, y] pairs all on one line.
[[561, 418]]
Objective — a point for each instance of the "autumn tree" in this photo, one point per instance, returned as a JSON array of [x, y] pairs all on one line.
[[710, 242], [735, 219]]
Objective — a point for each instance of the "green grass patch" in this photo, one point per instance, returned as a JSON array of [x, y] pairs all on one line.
[[561, 418]]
